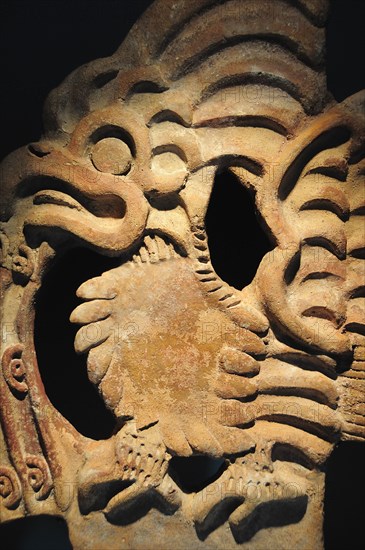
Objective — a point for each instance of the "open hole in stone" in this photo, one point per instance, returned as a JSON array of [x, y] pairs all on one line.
[[343, 509], [236, 240], [63, 372], [194, 473]]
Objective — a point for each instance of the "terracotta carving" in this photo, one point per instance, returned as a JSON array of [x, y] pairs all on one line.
[[266, 379]]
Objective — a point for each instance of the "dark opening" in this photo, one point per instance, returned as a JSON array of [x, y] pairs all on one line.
[[35, 533], [64, 372], [237, 242], [194, 473], [344, 501]]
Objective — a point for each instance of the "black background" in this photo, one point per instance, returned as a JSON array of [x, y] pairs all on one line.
[[41, 42]]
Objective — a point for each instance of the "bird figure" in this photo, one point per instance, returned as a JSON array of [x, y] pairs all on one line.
[[257, 377]]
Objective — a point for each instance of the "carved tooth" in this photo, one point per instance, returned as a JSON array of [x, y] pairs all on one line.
[[138, 462], [147, 243], [150, 462], [152, 249], [146, 480], [144, 255], [137, 259], [167, 251], [173, 253], [161, 248], [231, 485], [125, 472]]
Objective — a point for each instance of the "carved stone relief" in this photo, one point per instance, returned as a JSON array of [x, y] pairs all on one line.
[[264, 380]]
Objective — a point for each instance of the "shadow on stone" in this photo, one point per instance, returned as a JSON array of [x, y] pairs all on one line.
[[270, 514], [217, 516], [136, 509], [35, 533]]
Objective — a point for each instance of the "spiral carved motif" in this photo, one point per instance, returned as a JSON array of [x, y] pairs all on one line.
[[14, 369], [23, 264], [39, 477], [10, 489]]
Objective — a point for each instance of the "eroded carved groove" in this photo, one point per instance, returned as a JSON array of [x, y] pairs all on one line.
[[254, 121], [103, 79], [327, 140], [288, 453]]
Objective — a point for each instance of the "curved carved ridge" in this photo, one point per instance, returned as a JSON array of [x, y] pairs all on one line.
[[126, 57], [311, 13], [251, 42]]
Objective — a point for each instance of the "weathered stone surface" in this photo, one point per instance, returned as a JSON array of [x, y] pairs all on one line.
[[263, 381]]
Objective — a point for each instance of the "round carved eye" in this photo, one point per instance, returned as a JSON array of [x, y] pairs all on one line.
[[112, 155], [170, 172]]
